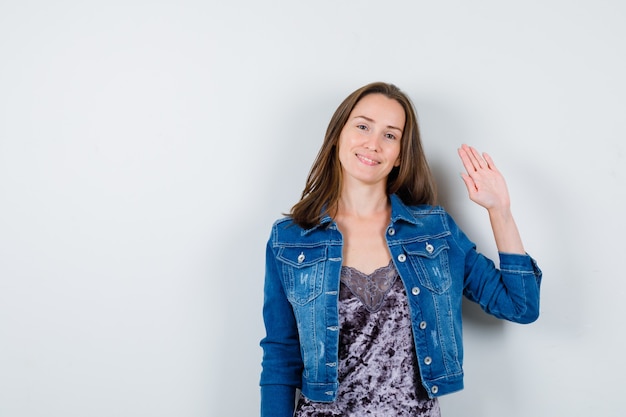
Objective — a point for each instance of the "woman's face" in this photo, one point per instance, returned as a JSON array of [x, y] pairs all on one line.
[[369, 143]]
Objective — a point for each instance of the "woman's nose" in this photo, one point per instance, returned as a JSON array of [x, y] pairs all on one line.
[[372, 143]]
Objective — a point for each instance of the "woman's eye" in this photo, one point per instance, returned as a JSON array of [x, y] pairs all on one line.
[[362, 127], [390, 136]]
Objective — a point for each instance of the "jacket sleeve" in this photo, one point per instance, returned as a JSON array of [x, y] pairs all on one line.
[[282, 363], [510, 292]]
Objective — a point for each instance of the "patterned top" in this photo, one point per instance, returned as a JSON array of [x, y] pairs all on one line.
[[378, 371]]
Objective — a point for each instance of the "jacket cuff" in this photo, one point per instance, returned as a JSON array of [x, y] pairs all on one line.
[[519, 263]]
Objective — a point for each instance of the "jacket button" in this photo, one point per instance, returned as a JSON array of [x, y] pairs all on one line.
[[301, 257], [415, 290], [402, 257], [430, 248], [434, 389], [391, 231], [422, 325], [428, 360]]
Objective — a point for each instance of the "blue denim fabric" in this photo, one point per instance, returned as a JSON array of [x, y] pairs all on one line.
[[437, 264]]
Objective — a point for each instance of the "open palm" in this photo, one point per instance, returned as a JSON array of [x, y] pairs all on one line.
[[485, 184]]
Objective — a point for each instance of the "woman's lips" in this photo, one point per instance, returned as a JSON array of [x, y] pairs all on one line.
[[366, 160]]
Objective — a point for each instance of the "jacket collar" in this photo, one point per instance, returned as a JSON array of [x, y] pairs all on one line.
[[399, 211], [325, 221]]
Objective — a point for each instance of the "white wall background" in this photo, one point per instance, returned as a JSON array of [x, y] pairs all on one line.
[[147, 146]]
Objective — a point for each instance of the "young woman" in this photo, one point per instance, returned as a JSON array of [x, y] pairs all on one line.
[[364, 278]]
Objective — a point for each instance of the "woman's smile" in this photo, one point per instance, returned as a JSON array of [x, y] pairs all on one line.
[[366, 160]]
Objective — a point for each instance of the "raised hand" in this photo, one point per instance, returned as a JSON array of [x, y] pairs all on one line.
[[486, 187], [485, 184]]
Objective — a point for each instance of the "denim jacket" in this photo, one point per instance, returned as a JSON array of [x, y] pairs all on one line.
[[437, 264]]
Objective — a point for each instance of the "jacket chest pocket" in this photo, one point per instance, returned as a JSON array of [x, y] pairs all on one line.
[[303, 269], [429, 260]]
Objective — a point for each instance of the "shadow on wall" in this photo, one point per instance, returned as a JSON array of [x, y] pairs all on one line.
[[554, 241]]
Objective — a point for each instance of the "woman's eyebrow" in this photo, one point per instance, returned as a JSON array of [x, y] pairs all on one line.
[[369, 119]]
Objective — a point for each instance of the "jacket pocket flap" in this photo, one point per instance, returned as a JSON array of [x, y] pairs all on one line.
[[299, 257], [426, 248]]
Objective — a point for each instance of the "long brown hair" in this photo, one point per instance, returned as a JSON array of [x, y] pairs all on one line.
[[412, 181]]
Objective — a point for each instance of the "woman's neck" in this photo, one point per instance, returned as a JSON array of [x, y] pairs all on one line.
[[363, 202], [362, 218]]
